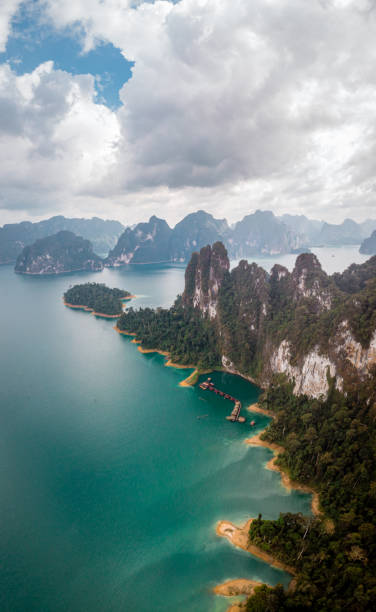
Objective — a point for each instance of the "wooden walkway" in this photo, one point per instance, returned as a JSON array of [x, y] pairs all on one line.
[[208, 385]]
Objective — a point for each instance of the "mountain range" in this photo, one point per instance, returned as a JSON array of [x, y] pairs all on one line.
[[15, 236], [154, 241]]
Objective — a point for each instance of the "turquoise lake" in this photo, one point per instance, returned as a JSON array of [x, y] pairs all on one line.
[[110, 486]]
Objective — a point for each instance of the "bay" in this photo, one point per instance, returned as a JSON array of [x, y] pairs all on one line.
[[110, 485]]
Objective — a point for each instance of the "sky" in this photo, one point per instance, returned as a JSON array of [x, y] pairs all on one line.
[[125, 108]]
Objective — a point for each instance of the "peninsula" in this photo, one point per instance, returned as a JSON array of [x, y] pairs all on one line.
[[309, 340]]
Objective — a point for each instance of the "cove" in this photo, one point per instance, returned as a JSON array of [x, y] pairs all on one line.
[[111, 487]]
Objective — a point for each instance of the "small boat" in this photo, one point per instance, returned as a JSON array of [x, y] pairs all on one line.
[[253, 423]]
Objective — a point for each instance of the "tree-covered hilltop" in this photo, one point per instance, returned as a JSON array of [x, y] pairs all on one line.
[[330, 445], [58, 254], [188, 338], [97, 297]]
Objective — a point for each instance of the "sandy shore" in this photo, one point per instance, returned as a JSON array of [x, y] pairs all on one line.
[[238, 536], [239, 586], [122, 331], [257, 408], [287, 482], [96, 314], [128, 297]]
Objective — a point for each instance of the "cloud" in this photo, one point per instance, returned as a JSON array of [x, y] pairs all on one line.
[[55, 140], [232, 103], [8, 8]]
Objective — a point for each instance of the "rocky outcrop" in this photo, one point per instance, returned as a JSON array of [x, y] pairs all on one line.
[[203, 278], [58, 254], [146, 243], [299, 324]]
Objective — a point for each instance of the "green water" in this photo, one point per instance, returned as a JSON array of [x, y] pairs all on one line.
[[110, 486]]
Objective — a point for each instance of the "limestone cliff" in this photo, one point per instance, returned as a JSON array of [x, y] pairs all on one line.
[[309, 326], [58, 254]]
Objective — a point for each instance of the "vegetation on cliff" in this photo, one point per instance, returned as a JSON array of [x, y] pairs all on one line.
[[184, 334], [96, 297], [330, 445], [58, 254]]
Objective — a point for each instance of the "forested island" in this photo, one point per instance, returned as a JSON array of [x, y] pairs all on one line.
[[97, 298], [61, 253], [309, 340]]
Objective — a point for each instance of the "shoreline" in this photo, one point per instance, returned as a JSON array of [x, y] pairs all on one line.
[[187, 382], [98, 314], [257, 408], [286, 481], [238, 537]]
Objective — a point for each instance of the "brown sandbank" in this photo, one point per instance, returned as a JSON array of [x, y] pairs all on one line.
[[287, 482], [239, 537], [257, 408]]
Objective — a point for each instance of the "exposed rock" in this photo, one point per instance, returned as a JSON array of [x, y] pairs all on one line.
[[58, 254]]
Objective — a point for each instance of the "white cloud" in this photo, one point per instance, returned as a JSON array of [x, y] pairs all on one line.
[[232, 105], [8, 9], [55, 140]]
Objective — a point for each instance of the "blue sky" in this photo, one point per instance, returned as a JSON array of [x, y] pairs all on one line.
[[33, 40]]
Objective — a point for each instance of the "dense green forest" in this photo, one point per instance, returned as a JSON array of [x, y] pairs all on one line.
[[182, 332], [98, 297], [330, 445]]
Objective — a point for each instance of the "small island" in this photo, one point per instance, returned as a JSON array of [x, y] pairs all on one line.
[[97, 298]]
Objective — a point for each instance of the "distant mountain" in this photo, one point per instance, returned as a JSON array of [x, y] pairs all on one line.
[[195, 231], [63, 252], [14, 237], [368, 246], [308, 229], [146, 243], [261, 233], [346, 233], [155, 241]]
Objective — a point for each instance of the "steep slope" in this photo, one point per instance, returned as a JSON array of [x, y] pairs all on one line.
[[309, 326], [368, 246], [146, 243], [195, 231], [347, 232], [262, 233], [61, 253], [14, 237]]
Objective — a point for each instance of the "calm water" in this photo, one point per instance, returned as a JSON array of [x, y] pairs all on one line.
[[110, 485]]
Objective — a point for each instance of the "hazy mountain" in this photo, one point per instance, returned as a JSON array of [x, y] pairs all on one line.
[[261, 233], [308, 229], [14, 237], [368, 246], [146, 243], [63, 252], [195, 231]]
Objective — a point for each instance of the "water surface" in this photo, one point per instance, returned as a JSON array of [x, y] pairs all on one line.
[[110, 485]]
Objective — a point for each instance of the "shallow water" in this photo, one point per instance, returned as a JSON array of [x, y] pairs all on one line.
[[110, 486]]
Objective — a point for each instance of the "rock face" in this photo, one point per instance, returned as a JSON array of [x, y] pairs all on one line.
[[58, 254], [315, 329], [368, 246], [195, 231], [146, 243], [203, 278], [155, 241], [262, 233], [14, 237]]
